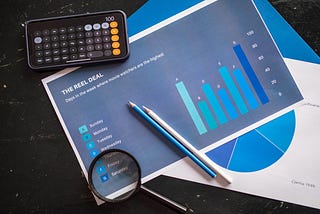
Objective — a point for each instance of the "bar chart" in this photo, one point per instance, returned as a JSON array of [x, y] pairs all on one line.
[[242, 92]]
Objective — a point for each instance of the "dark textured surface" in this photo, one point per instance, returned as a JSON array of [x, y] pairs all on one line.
[[39, 172]]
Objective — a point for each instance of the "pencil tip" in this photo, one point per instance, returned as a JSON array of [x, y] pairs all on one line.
[[146, 109], [131, 104]]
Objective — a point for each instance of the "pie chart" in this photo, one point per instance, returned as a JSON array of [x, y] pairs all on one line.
[[257, 149]]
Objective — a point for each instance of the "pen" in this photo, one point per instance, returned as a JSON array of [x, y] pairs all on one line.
[[170, 138], [209, 163]]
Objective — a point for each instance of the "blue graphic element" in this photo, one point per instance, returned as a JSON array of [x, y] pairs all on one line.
[[101, 169], [104, 178], [251, 74], [159, 10], [191, 108], [233, 90], [257, 149], [284, 35], [86, 137], [94, 153], [90, 145], [207, 114], [214, 103], [83, 129], [245, 89], [232, 112]]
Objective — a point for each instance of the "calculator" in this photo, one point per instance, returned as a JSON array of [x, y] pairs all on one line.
[[75, 40]]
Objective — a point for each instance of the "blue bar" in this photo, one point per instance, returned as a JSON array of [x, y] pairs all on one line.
[[227, 103], [245, 89], [214, 103], [233, 90], [251, 75], [191, 108], [168, 136], [207, 114]]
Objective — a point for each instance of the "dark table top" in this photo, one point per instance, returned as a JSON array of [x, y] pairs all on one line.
[[39, 172]]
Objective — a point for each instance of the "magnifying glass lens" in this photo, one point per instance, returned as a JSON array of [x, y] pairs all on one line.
[[114, 175]]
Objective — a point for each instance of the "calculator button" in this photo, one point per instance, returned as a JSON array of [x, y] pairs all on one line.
[[72, 43], [106, 45], [98, 47], [96, 26], [105, 25], [114, 31], [107, 52], [116, 52], [94, 54], [90, 48], [47, 46], [73, 50], [89, 34], [113, 24], [80, 35], [64, 51], [72, 36], [88, 27], [89, 41], [115, 44], [37, 40], [73, 56], [39, 61], [79, 28], [56, 52], [56, 59], [62, 30], [82, 49], [63, 37], [37, 33], [71, 29], [97, 40], [106, 39], [105, 32], [81, 42], [115, 38], [55, 45], [46, 32], [64, 44], [38, 53], [54, 31], [47, 53], [46, 39], [65, 57], [82, 55], [54, 38], [38, 47], [48, 60], [97, 33]]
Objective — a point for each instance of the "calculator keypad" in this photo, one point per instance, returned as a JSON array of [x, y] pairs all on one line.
[[77, 40]]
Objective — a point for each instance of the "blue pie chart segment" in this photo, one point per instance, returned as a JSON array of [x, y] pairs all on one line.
[[257, 149]]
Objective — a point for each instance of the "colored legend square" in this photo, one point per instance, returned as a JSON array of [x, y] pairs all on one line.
[[94, 153], [101, 169], [90, 145], [86, 137], [104, 178], [83, 129]]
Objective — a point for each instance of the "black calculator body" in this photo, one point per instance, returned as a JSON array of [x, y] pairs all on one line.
[[76, 40]]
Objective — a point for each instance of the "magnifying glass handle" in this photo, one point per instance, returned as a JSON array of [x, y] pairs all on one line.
[[180, 208]]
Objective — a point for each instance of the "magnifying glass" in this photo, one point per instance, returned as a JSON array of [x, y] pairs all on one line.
[[115, 175]]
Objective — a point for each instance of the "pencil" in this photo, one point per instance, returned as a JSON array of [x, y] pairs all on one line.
[[209, 163], [171, 138]]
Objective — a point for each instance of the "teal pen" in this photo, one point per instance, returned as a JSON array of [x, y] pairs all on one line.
[[171, 139]]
